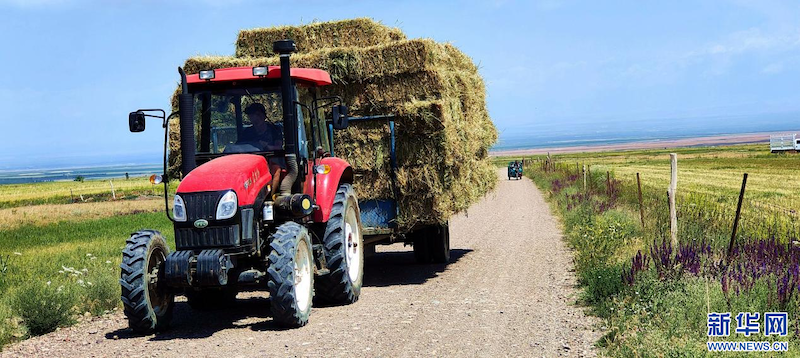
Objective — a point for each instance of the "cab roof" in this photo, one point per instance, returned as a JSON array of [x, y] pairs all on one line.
[[310, 76]]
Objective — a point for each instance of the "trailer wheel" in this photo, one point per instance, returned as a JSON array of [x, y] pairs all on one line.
[[440, 243], [421, 244], [291, 275], [344, 250], [147, 301], [210, 299]]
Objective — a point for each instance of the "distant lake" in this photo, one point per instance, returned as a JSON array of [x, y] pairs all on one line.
[[88, 172]]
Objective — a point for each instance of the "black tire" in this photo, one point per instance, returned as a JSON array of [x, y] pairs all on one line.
[[147, 305], [439, 242], [341, 286], [421, 244], [290, 309], [210, 299]]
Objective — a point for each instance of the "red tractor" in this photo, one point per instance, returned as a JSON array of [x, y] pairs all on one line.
[[262, 204]]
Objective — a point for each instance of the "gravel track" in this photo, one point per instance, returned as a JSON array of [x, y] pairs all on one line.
[[509, 291]]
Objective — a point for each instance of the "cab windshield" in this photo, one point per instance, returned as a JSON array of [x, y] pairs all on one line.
[[242, 120]]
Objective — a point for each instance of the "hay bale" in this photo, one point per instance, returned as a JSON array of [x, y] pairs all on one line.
[[359, 32], [348, 65]]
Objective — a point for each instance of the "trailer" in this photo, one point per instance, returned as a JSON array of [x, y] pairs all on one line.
[[431, 242], [784, 143]]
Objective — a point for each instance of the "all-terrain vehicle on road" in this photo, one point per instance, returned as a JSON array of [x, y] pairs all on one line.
[[514, 170]]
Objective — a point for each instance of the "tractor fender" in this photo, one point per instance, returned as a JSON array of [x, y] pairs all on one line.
[[328, 184]]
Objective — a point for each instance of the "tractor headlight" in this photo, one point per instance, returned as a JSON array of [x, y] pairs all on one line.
[[178, 209], [260, 71], [227, 206], [207, 75]]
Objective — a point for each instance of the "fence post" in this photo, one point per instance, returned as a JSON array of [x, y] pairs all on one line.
[[641, 207], [71, 197], [736, 219], [584, 178], [673, 211], [113, 193], [608, 183], [589, 173]]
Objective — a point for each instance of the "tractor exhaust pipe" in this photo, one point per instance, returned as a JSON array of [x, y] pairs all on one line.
[[186, 110], [285, 49]]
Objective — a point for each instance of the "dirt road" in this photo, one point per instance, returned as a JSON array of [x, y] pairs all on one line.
[[507, 292]]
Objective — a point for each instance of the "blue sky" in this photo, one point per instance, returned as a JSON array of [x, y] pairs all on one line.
[[72, 70]]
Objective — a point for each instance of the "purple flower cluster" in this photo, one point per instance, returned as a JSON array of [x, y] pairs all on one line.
[[769, 260], [639, 263]]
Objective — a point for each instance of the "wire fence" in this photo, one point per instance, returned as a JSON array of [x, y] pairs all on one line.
[[703, 212]]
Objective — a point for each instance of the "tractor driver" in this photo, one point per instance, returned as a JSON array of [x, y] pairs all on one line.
[[264, 134], [268, 136]]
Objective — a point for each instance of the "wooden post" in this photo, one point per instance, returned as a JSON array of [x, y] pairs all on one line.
[[589, 174], [584, 177], [71, 197], [608, 183], [673, 211], [577, 169], [641, 206], [113, 194], [736, 219]]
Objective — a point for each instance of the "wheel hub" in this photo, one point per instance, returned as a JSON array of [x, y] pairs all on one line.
[[302, 276], [353, 249]]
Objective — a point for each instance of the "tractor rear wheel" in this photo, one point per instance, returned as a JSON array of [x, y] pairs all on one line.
[[147, 301], [440, 243], [291, 275], [210, 299], [344, 250]]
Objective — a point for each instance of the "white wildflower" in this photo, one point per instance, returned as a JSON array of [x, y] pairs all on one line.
[[108, 262], [93, 258], [18, 253], [48, 283], [88, 255], [88, 283]]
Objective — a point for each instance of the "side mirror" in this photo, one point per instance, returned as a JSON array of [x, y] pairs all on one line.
[[136, 121], [340, 117]]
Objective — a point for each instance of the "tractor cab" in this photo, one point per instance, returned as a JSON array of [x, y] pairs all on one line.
[[262, 202]]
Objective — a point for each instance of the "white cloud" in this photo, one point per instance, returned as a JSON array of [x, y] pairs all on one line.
[[773, 68]]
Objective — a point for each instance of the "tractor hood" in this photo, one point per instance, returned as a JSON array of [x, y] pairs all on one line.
[[246, 174]]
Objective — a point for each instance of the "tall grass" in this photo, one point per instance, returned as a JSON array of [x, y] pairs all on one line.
[[61, 270]]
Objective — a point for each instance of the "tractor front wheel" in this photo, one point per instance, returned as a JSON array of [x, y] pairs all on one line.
[[344, 250], [291, 275], [147, 301]]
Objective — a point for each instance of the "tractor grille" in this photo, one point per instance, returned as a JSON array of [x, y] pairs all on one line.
[[201, 205], [191, 238]]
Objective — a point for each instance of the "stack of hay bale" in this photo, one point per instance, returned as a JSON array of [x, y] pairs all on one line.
[[443, 129]]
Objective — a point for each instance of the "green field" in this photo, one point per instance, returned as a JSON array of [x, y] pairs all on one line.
[[60, 260], [653, 297]]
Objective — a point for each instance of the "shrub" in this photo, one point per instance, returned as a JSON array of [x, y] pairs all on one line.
[[43, 308], [601, 283], [79, 178], [101, 292]]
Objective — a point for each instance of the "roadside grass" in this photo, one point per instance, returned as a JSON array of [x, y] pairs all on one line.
[[40, 215], [63, 270], [16, 195], [653, 298]]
